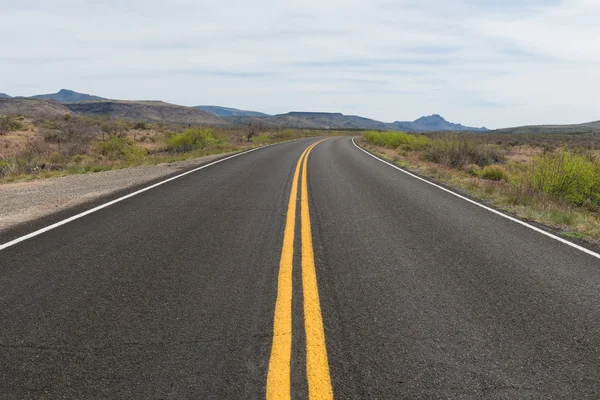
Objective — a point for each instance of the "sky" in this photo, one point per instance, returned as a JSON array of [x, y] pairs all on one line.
[[481, 63]]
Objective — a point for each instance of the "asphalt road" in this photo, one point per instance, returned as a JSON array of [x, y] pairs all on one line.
[[172, 293]]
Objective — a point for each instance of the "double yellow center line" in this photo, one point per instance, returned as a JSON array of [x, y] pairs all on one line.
[[317, 365]]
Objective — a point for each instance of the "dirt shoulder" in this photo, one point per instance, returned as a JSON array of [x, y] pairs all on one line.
[[24, 202]]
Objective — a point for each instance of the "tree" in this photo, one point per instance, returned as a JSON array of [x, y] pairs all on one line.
[[253, 130]]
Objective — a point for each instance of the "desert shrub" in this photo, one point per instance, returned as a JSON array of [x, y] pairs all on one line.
[[18, 126], [79, 158], [5, 124], [119, 148], [24, 161], [566, 175], [38, 148], [73, 136], [50, 124], [394, 140], [191, 139], [262, 138], [473, 169], [4, 167], [9, 123], [494, 173], [140, 126], [114, 127], [56, 158], [455, 152]]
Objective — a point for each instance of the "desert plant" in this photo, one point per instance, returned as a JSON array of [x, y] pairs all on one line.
[[394, 140], [563, 174], [9, 123], [5, 124], [119, 148], [114, 127], [191, 139], [253, 130], [140, 126], [494, 173], [72, 136], [262, 138], [456, 152]]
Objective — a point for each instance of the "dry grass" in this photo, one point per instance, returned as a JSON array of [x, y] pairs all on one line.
[[63, 146]]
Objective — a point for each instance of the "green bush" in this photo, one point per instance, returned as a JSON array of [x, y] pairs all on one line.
[[119, 148], [494, 173], [394, 140], [454, 152], [473, 169], [4, 167], [572, 177], [262, 138], [191, 139], [18, 126]]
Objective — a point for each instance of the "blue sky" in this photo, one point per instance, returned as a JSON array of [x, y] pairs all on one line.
[[480, 63]]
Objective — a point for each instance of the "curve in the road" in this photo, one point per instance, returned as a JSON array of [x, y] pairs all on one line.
[[534, 228]]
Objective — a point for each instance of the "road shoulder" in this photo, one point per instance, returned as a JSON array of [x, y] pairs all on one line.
[[27, 206]]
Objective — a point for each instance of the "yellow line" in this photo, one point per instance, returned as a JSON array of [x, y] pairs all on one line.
[[278, 378], [317, 365]]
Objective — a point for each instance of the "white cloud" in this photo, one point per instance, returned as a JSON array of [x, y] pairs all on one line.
[[475, 62]]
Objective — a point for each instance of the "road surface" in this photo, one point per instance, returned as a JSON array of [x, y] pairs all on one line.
[[357, 282]]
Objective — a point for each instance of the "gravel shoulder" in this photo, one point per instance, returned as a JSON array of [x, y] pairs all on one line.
[[24, 202]]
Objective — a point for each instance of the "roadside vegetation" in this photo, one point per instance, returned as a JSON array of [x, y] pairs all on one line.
[[549, 179], [33, 149]]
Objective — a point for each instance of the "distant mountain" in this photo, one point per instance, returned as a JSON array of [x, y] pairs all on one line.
[[85, 104], [230, 112], [433, 122], [321, 120], [67, 96], [573, 129], [313, 120], [151, 111], [33, 108]]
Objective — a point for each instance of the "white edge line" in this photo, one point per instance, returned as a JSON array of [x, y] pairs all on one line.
[[518, 221], [110, 203]]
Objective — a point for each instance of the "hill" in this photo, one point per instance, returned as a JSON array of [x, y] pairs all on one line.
[[433, 122], [312, 120], [572, 129], [67, 96], [321, 120], [230, 112], [33, 108], [91, 105], [151, 111], [4, 96]]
